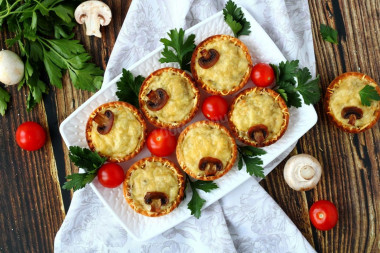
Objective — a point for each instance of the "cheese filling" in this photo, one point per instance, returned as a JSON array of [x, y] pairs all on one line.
[[124, 137], [229, 70], [345, 94], [181, 97], [153, 177], [257, 108], [205, 141]]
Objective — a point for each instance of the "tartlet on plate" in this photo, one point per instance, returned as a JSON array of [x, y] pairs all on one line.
[[258, 116], [169, 98], [206, 150], [343, 104], [221, 64], [116, 130], [154, 186]]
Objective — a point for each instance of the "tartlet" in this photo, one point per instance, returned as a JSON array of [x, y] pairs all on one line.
[[221, 64], [116, 130], [343, 104], [258, 116], [206, 150], [169, 98], [154, 186]]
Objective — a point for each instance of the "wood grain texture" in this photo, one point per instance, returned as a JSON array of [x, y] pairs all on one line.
[[33, 205]]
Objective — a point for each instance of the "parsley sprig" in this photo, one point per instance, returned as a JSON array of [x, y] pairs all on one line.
[[368, 94], [234, 17], [181, 49], [290, 90], [248, 155], [4, 99], [89, 161], [328, 33], [196, 203], [128, 88]]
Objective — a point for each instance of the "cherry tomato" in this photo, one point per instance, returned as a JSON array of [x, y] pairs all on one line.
[[111, 175], [161, 142], [323, 215], [262, 75], [30, 136], [215, 108]]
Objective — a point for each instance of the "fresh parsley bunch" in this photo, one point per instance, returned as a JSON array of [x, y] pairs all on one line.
[[234, 17], [44, 34]]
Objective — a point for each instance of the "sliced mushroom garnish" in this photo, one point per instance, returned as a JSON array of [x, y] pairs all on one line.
[[157, 99], [258, 133], [210, 165], [208, 59], [352, 113], [104, 121], [156, 200]]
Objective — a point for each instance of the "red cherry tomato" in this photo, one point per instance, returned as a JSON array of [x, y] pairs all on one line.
[[215, 108], [262, 75], [30, 136], [323, 215], [111, 175], [161, 142]]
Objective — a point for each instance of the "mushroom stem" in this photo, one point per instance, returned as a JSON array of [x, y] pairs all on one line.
[[206, 54], [352, 119], [306, 172]]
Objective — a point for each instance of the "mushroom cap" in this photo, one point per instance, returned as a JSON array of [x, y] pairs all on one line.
[[93, 6], [11, 68], [302, 172]]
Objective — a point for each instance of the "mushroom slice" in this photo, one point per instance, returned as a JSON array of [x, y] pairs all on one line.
[[352, 113], [208, 59], [302, 172], [104, 121], [156, 200], [258, 133], [157, 99], [210, 165]]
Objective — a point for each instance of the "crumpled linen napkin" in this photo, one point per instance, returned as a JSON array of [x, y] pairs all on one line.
[[245, 220]]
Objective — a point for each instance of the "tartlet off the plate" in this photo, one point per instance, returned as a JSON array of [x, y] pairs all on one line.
[[221, 64], [206, 150], [169, 98], [258, 116], [116, 130], [154, 186], [343, 104]]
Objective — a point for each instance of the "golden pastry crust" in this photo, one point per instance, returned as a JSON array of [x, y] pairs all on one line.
[[251, 107], [205, 139], [166, 167], [342, 92], [120, 135], [233, 67], [183, 102]]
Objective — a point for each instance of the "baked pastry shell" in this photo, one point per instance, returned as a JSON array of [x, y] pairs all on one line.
[[137, 165], [280, 101], [157, 122], [181, 159], [135, 113], [194, 60]]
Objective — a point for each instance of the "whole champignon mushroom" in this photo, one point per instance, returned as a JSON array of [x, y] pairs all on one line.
[[11, 68], [93, 14], [302, 172]]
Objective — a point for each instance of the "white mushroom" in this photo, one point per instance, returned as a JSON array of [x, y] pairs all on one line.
[[93, 14], [11, 68], [302, 172]]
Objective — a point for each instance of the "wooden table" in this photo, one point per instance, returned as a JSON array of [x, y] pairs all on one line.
[[33, 205]]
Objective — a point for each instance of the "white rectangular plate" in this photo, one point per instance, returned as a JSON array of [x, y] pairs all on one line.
[[262, 49]]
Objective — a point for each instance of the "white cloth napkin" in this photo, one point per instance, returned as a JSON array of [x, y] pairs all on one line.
[[247, 219]]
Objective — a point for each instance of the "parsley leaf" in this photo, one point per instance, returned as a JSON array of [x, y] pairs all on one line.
[[249, 155], [4, 99], [128, 88], [329, 34], [205, 186], [196, 203], [234, 17], [183, 50], [367, 94], [308, 89], [78, 181]]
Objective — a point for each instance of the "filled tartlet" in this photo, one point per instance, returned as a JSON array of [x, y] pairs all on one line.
[[154, 186], [116, 130], [258, 116], [221, 64], [206, 150], [169, 98], [343, 104]]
